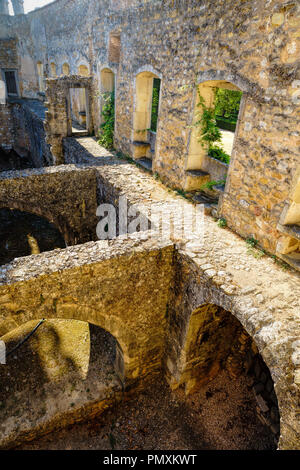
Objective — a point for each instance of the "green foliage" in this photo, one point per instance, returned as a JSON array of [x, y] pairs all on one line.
[[181, 193], [155, 104], [106, 131], [222, 222], [212, 183], [227, 103], [251, 242], [218, 153], [227, 124], [209, 132]]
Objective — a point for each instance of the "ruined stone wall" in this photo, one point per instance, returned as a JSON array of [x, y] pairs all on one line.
[[120, 285], [65, 197], [251, 44], [8, 53], [29, 134], [6, 127]]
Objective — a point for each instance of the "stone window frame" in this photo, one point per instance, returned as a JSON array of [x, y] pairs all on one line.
[[197, 160], [88, 106], [138, 137], [15, 70]]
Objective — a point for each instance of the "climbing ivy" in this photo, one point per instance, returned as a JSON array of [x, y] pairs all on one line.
[[106, 131], [209, 133]]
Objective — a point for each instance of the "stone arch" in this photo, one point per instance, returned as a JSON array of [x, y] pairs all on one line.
[[59, 222], [215, 340], [199, 167], [24, 233], [118, 362], [142, 145], [127, 357], [107, 86]]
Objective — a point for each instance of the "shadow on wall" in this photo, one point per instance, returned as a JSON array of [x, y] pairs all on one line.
[[66, 371]]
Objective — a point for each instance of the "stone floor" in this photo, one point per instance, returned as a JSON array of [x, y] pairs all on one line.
[[221, 416]]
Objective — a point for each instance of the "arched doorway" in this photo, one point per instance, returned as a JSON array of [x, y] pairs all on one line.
[[218, 358], [217, 112], [146, 116], [107, 108]]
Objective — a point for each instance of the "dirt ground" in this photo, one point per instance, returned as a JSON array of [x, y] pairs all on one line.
[[220, 416]]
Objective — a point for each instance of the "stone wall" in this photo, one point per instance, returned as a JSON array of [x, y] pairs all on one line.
[[29, 133], [6, 127], [122, 286], [200, 42], [8, 53], [65, 197]]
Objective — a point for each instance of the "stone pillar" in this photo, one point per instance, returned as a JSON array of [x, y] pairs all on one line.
[[4, 7], [18, 6]]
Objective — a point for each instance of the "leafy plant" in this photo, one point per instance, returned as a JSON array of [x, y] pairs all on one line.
[[227, 103], [212, 183], [209, 132], [106, 131], [251, 242], [218, 153], [222, 222]]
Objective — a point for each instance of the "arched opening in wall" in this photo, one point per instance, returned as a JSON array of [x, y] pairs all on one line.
[[65, 69], [107, 108], [41, 78], [221, 368], [288, 245], [145, 118], [53, 70], [79, 110], [83, 70], [114, 48], [78, 104], [216, 116], [24, 234], [65, 370]]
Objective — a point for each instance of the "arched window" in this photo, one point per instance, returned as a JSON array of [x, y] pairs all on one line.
[[53, 69], [145, 117], [40, 72], [65, 69], [83, 70], [215, 124]]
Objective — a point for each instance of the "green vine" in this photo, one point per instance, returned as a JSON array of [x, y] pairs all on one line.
[[209, 133], [106, 131]]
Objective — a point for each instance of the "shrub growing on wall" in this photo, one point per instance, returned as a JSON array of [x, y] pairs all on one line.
[[106, 131]]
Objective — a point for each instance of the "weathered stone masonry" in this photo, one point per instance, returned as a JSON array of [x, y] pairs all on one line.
[[253, 45]]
